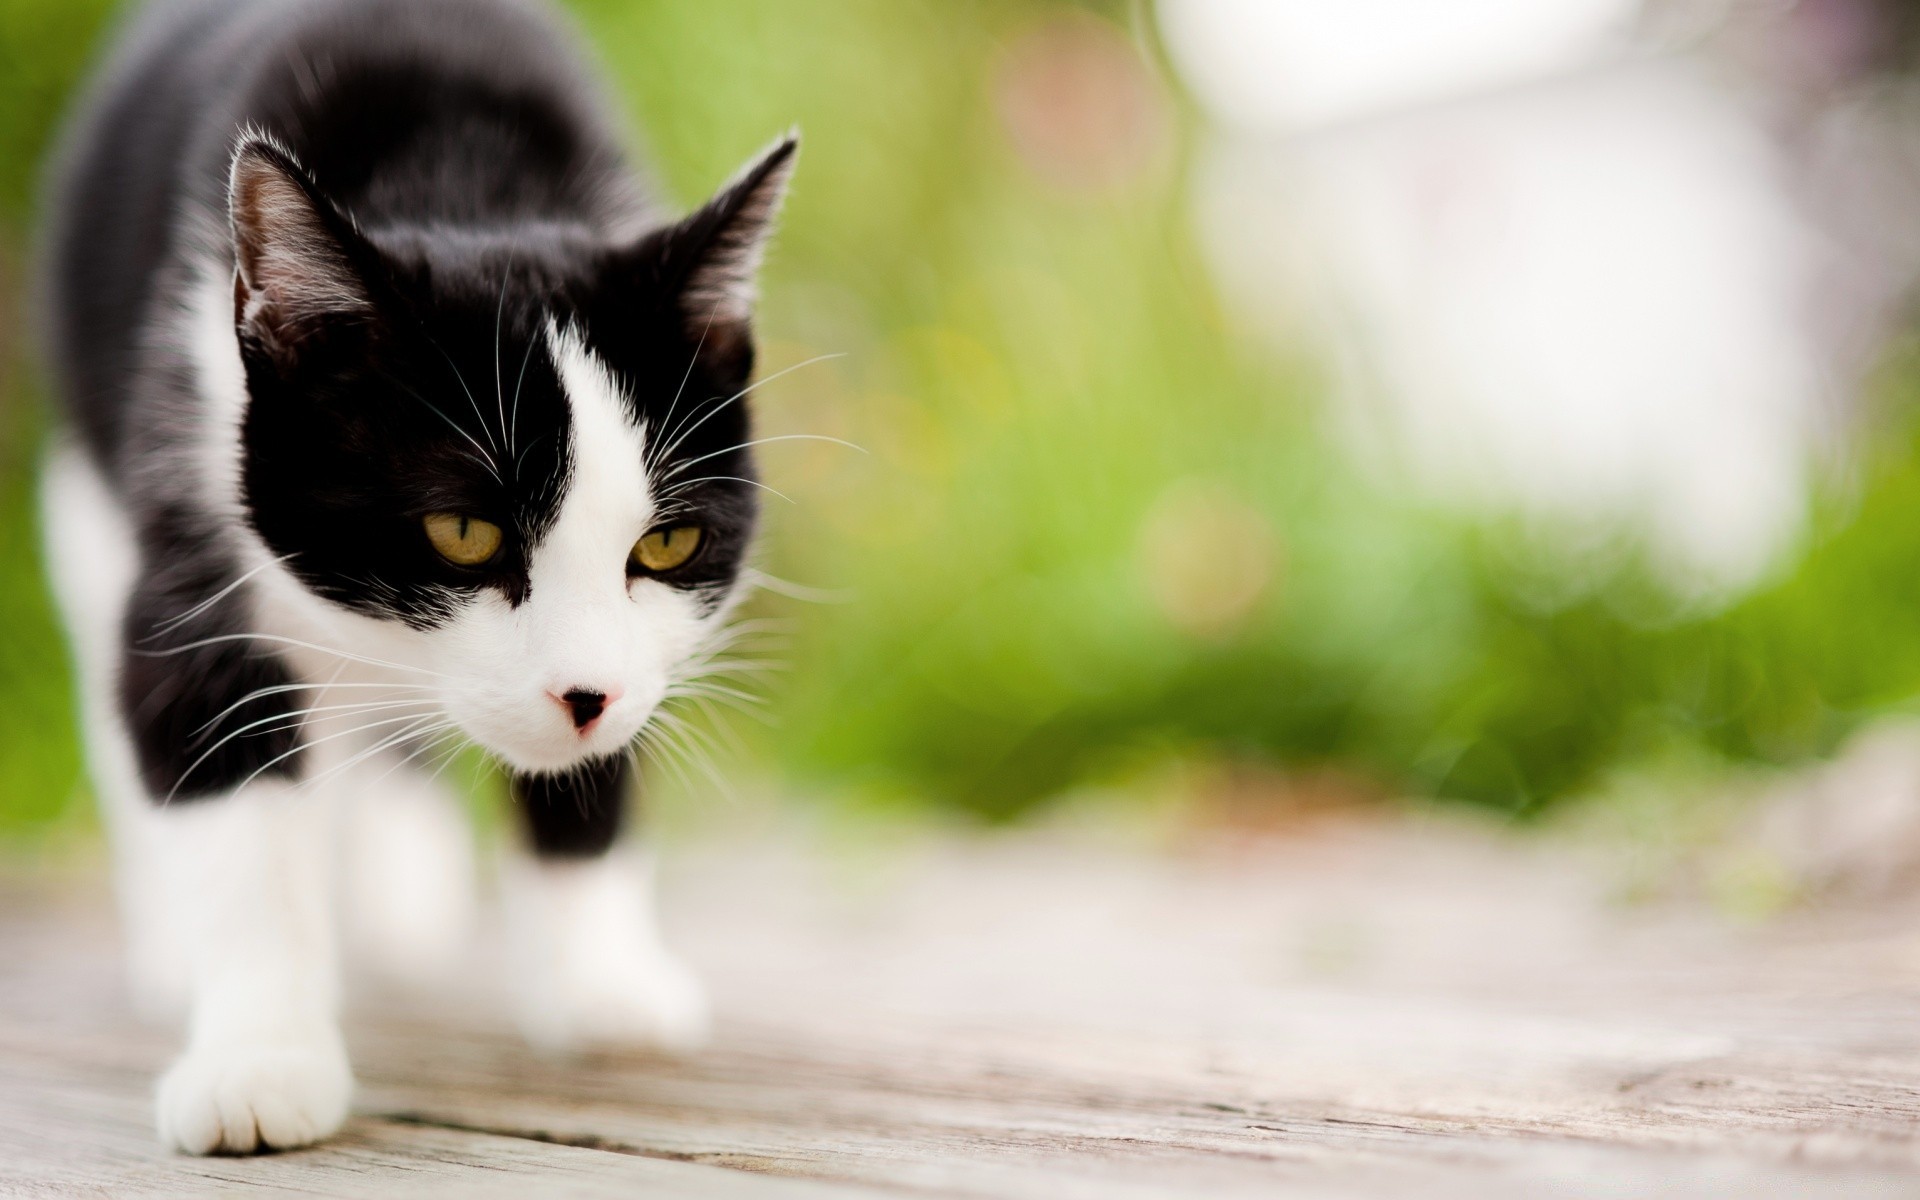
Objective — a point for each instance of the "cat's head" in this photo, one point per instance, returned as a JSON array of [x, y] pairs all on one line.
[[516, 459]]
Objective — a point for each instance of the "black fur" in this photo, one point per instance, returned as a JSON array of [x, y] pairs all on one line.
[[578, 814], [466, 187], [179, 676]]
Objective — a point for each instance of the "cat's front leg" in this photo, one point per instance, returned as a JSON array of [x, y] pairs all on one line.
[[590, 968], [223, 861], [265, 1066]]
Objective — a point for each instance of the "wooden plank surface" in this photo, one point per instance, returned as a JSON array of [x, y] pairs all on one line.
[[1366, 1008]]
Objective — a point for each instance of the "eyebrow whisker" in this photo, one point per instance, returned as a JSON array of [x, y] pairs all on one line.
[[715, 410]]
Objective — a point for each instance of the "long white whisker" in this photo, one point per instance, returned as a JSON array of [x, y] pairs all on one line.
[[722, 727], [487, 459], [522, 456], [665, 737], [298, 746], [499, 385], [682, 486], [702, 757], [270, 637], [712, 412], [513, 421], [263, 693], [449, 753], [402, 761], [462, 381], [417, 719], [294, 715], [652, 743], [785, 437], [214, 599], [706, 687], [797, 591], [281, 721], [428, 729], [740, 667], [653, 459]]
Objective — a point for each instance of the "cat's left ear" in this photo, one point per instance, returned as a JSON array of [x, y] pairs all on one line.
[[297, 259], [708, 261]]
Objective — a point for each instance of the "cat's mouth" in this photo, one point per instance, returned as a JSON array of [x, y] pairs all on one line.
[[565, 728]]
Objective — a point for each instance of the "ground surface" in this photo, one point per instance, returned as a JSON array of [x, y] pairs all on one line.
[[1360, 1009]]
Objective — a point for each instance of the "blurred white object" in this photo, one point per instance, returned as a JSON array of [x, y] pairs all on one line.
[[1586, 300], [1263, 63]]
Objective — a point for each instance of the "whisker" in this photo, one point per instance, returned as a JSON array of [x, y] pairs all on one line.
[[703, 687], [279, 722], [723, 728], [744, 667], [270, 637], [387, 743], [448, 755], [499, 385], [359, 704], [668, 735], [785, 437], [679, 487], [797, 591], [712, 412], [701, 749], [263, 693], [649, 461], [297, 748], [486, 460], [513, 427], [214, 599], [462, 381], [521, 457], [409, 759]]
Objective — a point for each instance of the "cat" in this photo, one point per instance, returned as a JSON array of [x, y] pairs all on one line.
[[396, 415]]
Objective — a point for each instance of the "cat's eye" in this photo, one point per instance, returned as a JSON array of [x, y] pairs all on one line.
[[665, 549], [461, 539]]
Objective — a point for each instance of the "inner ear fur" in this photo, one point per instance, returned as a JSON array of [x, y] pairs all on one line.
[[710, 259], [293, 251]]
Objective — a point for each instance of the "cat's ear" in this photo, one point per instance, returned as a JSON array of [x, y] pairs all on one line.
[[709, 260], [294, 253]]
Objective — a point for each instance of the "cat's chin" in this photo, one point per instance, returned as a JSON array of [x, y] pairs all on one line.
[[558, 759], [541, 766]]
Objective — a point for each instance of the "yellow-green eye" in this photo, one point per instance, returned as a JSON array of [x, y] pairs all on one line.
[[665, 549], [461, 539]]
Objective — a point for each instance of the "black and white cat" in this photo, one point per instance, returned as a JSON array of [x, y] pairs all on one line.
[[396, 415]]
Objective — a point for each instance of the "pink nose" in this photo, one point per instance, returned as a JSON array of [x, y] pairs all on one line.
[[585, 704]]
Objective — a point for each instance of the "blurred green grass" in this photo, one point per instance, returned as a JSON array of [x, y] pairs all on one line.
[[1093, 530]]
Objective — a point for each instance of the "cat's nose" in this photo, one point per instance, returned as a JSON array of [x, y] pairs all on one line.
[[584, 705]]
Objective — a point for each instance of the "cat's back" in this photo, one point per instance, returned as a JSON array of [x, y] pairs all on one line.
[[412, 113]]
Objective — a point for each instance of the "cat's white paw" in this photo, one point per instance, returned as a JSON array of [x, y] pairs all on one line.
[[236, 1098], [645, 999]]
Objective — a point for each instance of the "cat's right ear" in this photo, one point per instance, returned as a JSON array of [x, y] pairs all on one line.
[[294, 253], [703, 266]]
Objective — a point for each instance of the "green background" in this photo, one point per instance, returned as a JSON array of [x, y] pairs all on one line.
[[1061, 430]]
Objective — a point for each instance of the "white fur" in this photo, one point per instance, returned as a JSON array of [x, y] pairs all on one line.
[[265, 1064], [225, 903], [91, 555], [408, 895], [590, 968]]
